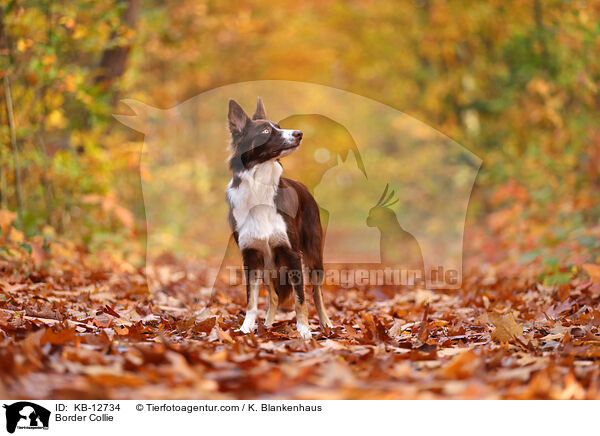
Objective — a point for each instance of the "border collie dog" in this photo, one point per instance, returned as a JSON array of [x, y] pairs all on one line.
[[275, 221]]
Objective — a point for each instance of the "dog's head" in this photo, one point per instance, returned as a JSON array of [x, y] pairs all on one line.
[[256, 140]]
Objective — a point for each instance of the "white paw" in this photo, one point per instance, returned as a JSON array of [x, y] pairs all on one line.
[[248, 326], [304, 331], [327, 324]]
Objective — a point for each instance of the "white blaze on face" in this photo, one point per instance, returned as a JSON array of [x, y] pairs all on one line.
[[289, 139], [288, 136]]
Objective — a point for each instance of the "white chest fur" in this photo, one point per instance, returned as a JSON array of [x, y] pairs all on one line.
[[252, 202]]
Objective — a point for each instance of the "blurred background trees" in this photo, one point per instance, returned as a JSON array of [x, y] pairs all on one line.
[[514, 82]]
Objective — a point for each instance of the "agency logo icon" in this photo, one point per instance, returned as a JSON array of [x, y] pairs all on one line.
[[26, 415]]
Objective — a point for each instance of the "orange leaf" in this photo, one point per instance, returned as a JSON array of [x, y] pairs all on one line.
[[593, 271], [506, 326]]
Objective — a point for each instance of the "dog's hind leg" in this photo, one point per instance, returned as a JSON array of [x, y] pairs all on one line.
[[316, 278], [273, 301], [320, 305]]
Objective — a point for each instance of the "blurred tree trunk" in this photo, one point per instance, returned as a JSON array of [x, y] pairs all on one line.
[[538, 15], [45, 180], [4, 51], [15, 149], [114, 60], [5, 47]]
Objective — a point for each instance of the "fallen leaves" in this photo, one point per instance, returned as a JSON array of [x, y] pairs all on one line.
[[87, 333], [462, 366]]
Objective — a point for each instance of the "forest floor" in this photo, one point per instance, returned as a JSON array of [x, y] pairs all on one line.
[[72, 331]]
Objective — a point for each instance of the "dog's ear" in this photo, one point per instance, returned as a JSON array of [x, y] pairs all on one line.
[[260, 113], [237, 117]]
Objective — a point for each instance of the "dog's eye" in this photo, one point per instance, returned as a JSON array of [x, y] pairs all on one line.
[[266, 131]]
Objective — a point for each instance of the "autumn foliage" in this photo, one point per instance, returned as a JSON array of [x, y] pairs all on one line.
[[80, 315]]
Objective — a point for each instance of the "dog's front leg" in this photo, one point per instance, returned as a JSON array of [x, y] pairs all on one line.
[[301, 311], [253, 266], [291, 261]]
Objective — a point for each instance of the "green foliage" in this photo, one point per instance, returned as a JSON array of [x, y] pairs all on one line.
[[67, 144]]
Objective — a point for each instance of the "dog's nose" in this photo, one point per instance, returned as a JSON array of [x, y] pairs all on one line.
[[297, 134]]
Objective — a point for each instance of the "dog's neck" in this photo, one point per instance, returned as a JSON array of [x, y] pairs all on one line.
[[255, 186], [266, 174]]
